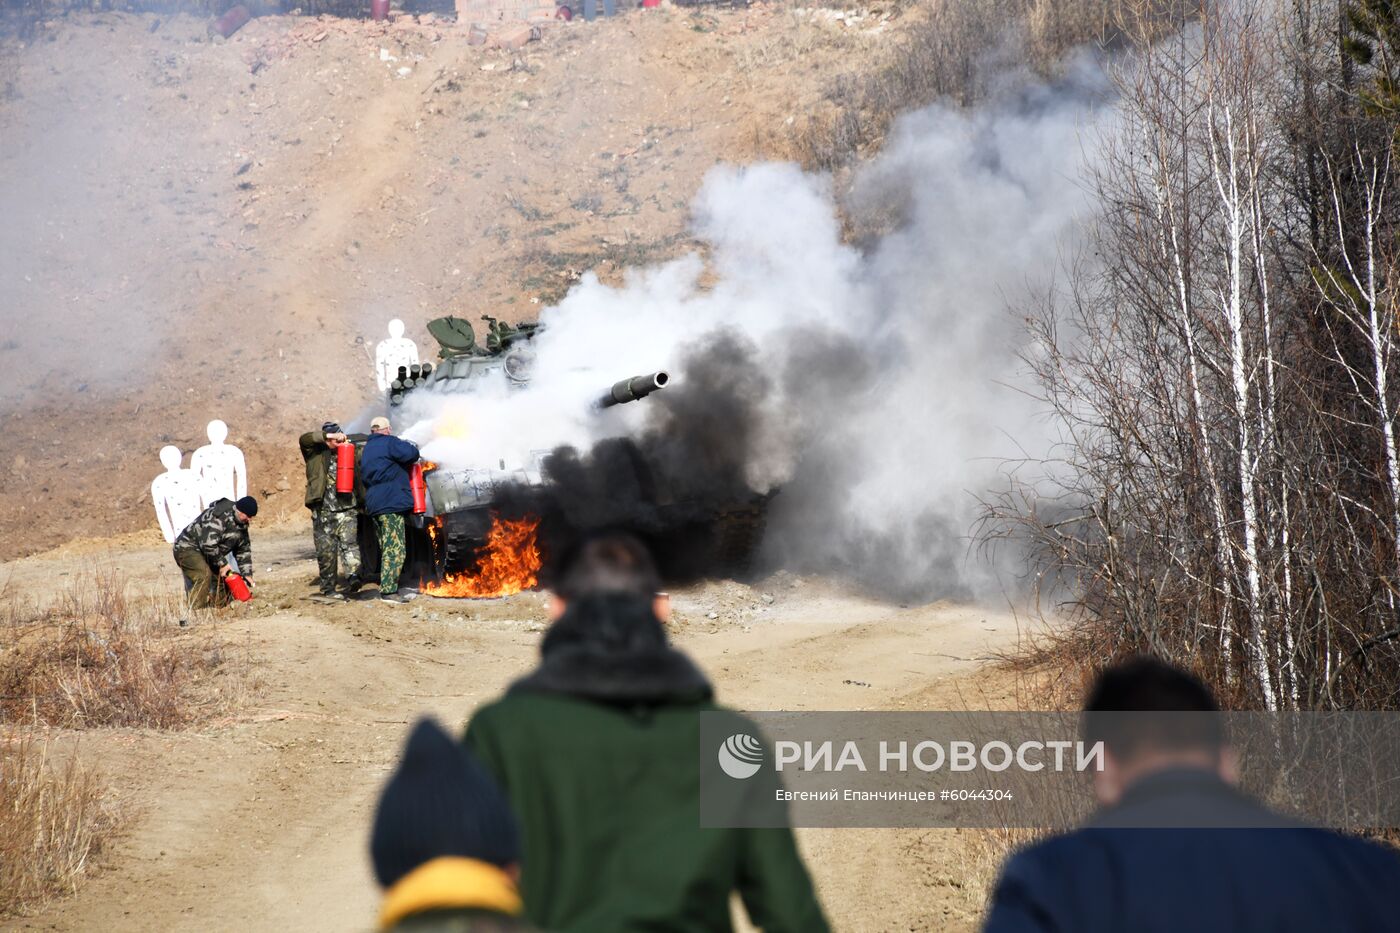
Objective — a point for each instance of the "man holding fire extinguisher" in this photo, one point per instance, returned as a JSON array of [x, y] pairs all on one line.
[[387, 466], [215, 547], [333, 494]]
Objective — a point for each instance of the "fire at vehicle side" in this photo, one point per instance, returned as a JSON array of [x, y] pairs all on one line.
[[461, 545]]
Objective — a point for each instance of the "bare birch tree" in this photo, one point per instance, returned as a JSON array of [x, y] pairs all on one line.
[[1227, 491]]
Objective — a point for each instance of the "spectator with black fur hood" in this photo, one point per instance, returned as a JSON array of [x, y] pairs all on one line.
[[597, 751]]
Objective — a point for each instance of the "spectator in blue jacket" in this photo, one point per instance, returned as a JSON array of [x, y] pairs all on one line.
[[385, 466], [1254, 871]]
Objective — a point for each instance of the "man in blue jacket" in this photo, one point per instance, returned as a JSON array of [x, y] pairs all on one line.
[[385, 466], [1251, 871]]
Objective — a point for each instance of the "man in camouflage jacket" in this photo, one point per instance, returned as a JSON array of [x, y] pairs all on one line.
[[214, 545], [334, 517]]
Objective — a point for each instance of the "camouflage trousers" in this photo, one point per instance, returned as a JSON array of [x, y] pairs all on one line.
[[337, 549], [393, 549]]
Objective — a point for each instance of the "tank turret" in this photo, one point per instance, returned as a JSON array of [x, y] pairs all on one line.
[[462, 498]]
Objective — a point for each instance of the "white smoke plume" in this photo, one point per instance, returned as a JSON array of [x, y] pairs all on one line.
[[889, 369]]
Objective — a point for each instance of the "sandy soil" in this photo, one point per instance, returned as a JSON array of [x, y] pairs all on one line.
[[259, 821]]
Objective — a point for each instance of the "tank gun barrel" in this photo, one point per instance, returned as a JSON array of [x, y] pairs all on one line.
[[629, 390]]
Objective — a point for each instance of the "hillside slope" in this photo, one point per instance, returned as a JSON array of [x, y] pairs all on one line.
[[202, 228]]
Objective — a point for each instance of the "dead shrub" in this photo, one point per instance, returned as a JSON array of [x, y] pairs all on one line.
[[53, 823], [937, 57], [100, 657], [956, 51]]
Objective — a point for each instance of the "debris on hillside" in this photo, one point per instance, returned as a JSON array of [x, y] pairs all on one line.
[[232, 21], [866, 20], [509, 24], [399, 31], [403, 36], [513, 36], [488, 12], [492, 24]]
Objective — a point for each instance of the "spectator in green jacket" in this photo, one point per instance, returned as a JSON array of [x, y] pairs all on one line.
[[445, 845], [597, 751]]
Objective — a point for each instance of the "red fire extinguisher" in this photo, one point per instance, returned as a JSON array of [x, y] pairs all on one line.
[[345, 467], [238, 587], [419, 488]]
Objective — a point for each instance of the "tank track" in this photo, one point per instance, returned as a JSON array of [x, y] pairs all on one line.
[[738, 533], [464, 533], [461, 551]]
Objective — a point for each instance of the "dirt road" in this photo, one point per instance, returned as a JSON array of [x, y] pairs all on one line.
[[260, 821]]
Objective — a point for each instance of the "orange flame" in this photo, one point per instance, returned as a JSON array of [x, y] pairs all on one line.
[[507, 563]]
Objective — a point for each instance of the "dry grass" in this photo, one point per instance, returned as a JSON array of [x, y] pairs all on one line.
[[53, 823], [956, 51], [801, 37], [937, 57], [984, 857], [102, 657], [1048, 674], [98, 657]]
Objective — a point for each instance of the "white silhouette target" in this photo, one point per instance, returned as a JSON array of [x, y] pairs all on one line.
[[223, 473], [392, 353], [175, 494]]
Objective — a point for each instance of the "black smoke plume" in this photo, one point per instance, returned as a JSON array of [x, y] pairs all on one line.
[[681, 483]]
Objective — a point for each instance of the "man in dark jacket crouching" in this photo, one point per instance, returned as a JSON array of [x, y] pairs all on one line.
[[597, 750], [213, 546]]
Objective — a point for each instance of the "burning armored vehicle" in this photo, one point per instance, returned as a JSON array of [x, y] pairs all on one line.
[[483, 526]]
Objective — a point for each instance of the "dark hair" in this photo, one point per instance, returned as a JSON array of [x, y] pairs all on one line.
[[605, 562], [1179, 712]]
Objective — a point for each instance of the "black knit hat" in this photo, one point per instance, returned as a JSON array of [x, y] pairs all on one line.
[[439, 802], [247, 505], [330, 427]]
